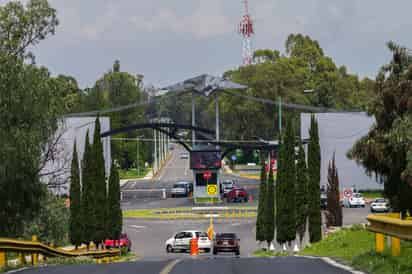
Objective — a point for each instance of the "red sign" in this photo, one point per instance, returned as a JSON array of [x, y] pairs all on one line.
[[347, 192], [207, 175]]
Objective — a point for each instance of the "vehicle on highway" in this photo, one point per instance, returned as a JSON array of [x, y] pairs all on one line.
[[226, 242], [182, 189], [237, 194], [356, 200], [123, 242], [181, 241], [379, 205], [226, 186], [184, 155]]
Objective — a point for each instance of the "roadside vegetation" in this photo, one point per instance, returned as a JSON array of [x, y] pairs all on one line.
[[355, 246], [132, 173]]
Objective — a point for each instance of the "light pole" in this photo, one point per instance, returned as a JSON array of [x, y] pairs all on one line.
[[137, 155]]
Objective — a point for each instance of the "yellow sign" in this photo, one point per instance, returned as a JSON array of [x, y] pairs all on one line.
[[212, 189]]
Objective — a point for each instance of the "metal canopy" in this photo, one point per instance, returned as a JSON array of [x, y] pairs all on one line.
[[204, 84]]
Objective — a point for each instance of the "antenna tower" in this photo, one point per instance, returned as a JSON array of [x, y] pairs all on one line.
[[246, 30]]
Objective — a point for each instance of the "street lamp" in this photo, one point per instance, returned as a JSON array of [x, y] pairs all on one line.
[[137, 155]]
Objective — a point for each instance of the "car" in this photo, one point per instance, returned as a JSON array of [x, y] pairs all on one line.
[[122, 242], [237, 194], [182, 189], [323, 201], [356, 200], [184, 155], [226, 186], [181, 241], [226, 242], [379, 205]]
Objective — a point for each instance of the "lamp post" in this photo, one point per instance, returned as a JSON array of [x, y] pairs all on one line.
[[137, 155]]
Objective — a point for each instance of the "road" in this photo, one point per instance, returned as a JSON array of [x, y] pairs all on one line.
[[284, 265]]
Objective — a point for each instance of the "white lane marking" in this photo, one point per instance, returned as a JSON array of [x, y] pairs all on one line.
[[334, 263], [169, 267], [137, 226]]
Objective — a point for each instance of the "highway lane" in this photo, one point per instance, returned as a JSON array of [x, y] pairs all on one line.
[[199, 265]]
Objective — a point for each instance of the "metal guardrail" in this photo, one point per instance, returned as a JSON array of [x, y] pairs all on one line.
[[390, 225], [35, 248]]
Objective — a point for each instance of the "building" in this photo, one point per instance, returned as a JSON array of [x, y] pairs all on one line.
[[338, 132], [57, 170]]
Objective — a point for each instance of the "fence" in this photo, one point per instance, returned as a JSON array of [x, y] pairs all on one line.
[[35, 248], [392, 226]]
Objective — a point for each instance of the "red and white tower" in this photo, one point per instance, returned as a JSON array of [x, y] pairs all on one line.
[[246, 30]]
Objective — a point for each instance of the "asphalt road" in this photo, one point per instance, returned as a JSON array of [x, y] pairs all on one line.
[[284, 265]]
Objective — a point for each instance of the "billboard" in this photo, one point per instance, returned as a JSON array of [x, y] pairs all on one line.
[[205, 160]]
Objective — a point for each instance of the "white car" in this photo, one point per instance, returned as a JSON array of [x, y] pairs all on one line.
[[227, 186], [180, 189], [181, 241], [355, 201], [379, 205]]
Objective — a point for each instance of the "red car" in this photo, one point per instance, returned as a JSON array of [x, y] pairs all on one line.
[[237, 194], [122, 242]]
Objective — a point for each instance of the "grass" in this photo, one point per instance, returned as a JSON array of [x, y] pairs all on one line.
[[206, 200], [372, 194], [132, 173], [355, 247], [268, 253]]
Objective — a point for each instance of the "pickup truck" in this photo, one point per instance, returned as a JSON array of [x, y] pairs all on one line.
[[122, 242]]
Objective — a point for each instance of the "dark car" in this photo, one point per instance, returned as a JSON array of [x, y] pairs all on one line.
[[123, 242], [323, 201], [237, 194], [226, 242]]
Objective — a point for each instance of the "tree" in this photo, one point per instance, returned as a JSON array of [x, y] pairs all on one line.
[[334, 209], [88, 192], [24, 131], [286, 211], [280, 192], [315, 218], [386, 151], [114, 216], [260, 219], [100, 187], [269, 211], [76, 225], [301, 193]]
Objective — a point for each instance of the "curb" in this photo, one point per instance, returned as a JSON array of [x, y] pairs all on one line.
[[333, 263]]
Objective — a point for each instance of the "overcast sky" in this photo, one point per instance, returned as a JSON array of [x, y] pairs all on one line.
[[171, 40]]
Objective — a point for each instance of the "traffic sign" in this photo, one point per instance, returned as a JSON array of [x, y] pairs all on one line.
[[347, 192], [212, 189], [234, 158]]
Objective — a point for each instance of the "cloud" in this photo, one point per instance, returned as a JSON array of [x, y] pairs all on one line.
[[204, 22]]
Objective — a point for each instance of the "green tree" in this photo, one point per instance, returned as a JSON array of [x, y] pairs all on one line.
[[334, 208], [100, 187], [287, 221], [280, 192], [114, 217], [386, 151], [88, 192], [260, 219], [76, 226], [314, 158], [269, 211], [301, 193], [29, 112]]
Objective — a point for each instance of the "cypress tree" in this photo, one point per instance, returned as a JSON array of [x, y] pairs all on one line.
[[334, 209], [269, 211], [75, 225], [314, 158], [100, 186], [114, 212], [301, 193], [289, 208], [87, 209], [280, 195], [260, 219]]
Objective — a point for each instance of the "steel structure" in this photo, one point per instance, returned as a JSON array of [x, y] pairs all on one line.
[[246, 30]]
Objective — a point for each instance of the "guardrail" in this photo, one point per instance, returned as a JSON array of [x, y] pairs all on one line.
[[35, 248], [390, 225]]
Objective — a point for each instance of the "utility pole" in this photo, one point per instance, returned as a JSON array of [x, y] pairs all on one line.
[[280, 115], [193, 120], [137, 158]]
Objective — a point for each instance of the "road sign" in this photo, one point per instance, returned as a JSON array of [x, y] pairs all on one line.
[[234, 158], [347, 192], [212, 189], [207, 175]]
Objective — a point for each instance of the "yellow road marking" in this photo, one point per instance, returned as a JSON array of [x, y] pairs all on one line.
[[169, 267]]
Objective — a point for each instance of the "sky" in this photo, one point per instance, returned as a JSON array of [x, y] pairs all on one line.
[[171, 40]]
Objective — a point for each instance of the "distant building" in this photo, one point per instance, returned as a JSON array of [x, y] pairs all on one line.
[[73, 129], [338, 132]]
